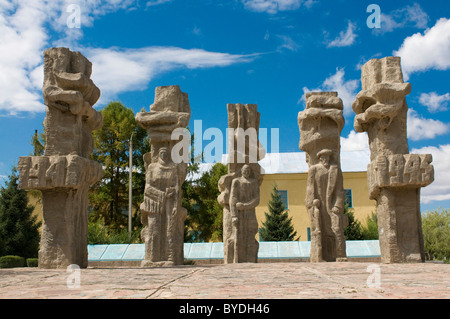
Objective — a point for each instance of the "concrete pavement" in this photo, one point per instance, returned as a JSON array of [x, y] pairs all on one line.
[[348, 280]]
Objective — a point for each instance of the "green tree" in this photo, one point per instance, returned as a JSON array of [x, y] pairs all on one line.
[[205, 216], [19, 230], [354, 230], [38, 143], [370, 230], [436, 234], [278, 225], [109, 196]]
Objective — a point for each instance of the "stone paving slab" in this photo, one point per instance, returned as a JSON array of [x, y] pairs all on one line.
[[348, 280]]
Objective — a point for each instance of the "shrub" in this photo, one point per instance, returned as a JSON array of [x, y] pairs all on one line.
[[32, 262], [436, 234], [12, 261]]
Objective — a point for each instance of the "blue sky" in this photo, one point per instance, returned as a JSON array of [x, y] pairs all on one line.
[[267, 52]]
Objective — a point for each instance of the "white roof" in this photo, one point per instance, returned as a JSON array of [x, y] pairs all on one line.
[[295, 162]]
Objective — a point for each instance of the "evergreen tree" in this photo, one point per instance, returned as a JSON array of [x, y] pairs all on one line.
[[278, 225], [353, 231], [19, 231], [370, 230]]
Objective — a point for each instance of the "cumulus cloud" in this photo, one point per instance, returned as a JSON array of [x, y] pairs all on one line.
[[440, 188], [420, 128], [434, 102], [274, 6], [28, 27], [347, 89], [355, 142], [430, 50], [346, 38], [24, 34]]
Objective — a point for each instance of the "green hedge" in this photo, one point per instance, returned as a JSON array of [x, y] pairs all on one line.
[[12, 261], [32, 262]]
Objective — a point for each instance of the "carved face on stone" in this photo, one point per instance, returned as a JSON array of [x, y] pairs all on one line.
[[246, 171], [164, 155], [324, 157]]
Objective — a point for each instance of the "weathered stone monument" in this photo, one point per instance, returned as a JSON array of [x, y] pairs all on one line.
[[162, 214], [320, 127], [240, 187], [394, 176], [65, 171]]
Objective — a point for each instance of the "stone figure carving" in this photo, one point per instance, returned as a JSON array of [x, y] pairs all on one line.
[[394, 176], [65, 171], [162, 214], [240, 187], [320, 125]]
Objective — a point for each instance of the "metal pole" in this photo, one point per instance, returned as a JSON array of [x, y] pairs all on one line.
[[130, 189]]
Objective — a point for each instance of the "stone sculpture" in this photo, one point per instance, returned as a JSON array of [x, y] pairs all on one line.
[[65, 171], [162, 214], [320, 127], [240, 187], [394, 176]]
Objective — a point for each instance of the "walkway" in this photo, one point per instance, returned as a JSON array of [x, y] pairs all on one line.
[[262, 280]]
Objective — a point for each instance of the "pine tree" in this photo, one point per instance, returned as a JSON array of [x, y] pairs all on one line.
[[19, 231], [278, 226], [354, 230]]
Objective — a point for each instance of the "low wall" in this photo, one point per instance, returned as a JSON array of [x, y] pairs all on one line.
[[131, 255]]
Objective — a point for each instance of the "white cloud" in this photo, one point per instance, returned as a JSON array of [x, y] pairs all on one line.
[[347, 89], [420, 128], [434, 102], [287, 43], [25, 34], [156, 2], [431, 50], [412, 15], [346, 38], [355, 142], [118, 70], [274, 6], [440, 188]]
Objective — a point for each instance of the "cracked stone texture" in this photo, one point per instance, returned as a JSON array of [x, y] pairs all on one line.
[[394, 176], [320, 126], [65, 171], [162, 213], [239, 189]]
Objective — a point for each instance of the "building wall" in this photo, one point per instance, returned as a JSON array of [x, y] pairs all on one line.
[[295, 184]]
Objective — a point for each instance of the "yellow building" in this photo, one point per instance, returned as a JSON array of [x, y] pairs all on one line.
[[289, 171]]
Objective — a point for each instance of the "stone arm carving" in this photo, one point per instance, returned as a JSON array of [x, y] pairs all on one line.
[[248, 205], [338, 203], [310, 188], [234, 197]]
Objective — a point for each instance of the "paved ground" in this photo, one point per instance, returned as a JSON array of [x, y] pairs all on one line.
[[241, 281]]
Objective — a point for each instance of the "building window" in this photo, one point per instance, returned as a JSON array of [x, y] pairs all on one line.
[[348, 198], [284, 198]]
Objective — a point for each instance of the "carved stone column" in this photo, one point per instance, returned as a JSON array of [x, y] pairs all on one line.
[[162, 214], [65, 171], [394, 176], [320, 127], [240, 187]]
